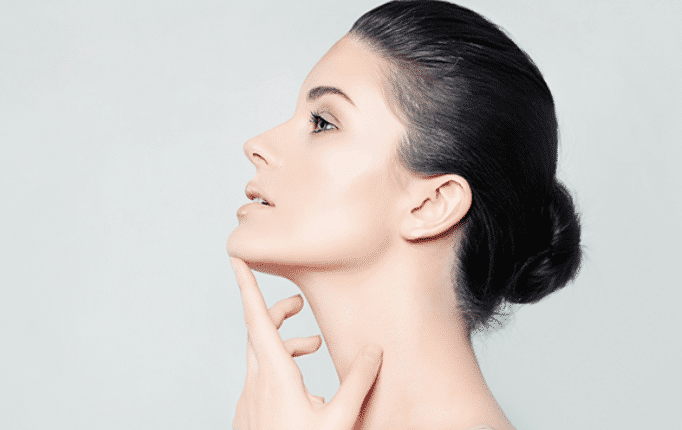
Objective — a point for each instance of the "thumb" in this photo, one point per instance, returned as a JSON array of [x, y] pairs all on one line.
[[348, 400]]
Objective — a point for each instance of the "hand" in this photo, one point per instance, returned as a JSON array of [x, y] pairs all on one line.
[[274, 396]]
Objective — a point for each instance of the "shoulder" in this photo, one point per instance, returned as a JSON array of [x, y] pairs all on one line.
[[482, 427]]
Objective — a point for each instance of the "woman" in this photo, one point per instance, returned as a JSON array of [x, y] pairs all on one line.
[[410, 196]]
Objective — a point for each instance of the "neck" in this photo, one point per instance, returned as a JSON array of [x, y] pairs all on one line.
[[405, 302]]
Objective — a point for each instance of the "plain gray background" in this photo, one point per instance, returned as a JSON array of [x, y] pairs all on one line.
[[121, 170]]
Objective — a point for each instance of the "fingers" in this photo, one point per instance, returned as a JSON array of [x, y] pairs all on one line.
[[295, 347], [298, 346], [262, 332], [316, 401], [285, 308], [346, 404], [251, 360]]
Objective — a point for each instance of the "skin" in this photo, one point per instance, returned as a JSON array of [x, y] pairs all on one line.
[[274, 395], [371, 247]]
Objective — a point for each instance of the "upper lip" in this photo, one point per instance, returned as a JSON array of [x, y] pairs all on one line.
[[253, 190]]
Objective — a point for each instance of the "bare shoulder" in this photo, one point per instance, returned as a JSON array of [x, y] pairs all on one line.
[[490, 428], [506, 426], [462, 415], [484, 427]]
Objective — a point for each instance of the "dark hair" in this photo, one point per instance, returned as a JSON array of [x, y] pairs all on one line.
[[474, 104]]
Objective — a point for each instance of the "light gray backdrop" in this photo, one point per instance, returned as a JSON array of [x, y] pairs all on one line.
[[121, 170]]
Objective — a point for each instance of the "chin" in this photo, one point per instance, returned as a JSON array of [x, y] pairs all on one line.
[[253, 253], [289, 258], [241, 247]]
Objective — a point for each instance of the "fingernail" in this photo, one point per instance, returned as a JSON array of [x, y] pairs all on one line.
[[373, 352]]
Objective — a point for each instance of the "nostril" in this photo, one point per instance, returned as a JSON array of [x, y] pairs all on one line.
[[257, 150]]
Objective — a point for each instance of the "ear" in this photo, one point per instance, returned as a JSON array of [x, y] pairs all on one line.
[[435, 205]]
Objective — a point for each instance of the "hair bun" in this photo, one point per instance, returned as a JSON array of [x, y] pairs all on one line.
[[556, 265]]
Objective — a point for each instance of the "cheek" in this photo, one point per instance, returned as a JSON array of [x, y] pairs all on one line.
[[352, 186], [342, 230], [346, 209]]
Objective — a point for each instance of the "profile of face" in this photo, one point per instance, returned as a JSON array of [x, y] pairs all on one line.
[[330, 173]]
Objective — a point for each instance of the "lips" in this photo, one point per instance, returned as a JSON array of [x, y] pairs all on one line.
[[254, 191]]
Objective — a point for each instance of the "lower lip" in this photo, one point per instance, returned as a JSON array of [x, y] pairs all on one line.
[[251, 207]]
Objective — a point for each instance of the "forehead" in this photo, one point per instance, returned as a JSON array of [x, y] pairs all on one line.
[[351, 67]]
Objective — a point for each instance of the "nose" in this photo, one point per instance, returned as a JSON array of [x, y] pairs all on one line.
[[253, 152], [258, 152]]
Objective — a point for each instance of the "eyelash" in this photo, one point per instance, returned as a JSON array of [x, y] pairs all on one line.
[[315, 119]]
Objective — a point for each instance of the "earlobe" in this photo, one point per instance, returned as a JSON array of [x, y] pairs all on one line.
[[437, 204]]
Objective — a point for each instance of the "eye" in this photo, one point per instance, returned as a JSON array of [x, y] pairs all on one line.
[[319, 123]]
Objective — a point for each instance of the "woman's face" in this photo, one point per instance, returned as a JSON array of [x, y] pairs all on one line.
[[331, 174]]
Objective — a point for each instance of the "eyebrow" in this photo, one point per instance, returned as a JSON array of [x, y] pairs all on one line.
[[319, 91]]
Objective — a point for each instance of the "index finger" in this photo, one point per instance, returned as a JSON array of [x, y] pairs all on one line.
[[264, 336]]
